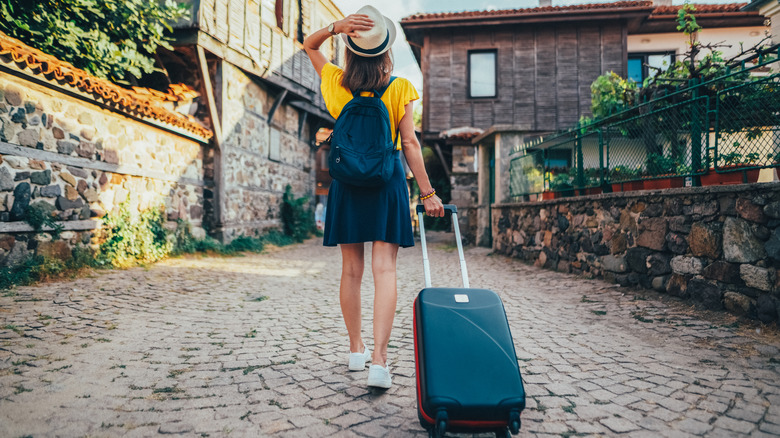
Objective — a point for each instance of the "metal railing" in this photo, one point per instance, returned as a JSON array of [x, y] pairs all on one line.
[[730, 124]]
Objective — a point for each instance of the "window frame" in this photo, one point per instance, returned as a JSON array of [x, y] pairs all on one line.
[[494, 51], [672, 54]]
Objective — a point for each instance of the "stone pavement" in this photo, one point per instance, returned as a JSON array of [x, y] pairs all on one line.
[[255, 346]]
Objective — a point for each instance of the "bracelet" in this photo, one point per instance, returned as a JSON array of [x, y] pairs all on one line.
[[428, 195]]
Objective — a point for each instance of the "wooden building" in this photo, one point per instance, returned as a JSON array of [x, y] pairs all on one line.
[[260, 96], [514, 75]]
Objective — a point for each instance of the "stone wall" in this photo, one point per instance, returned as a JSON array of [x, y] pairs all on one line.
[[464, 192], [260, 158], [68, 155], [716, 246]]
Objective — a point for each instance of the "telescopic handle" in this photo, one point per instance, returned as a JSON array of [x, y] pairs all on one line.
[[426, 264]]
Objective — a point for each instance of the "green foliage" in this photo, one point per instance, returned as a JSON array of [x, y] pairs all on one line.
[[39, 268], [686, 21], [112, 39], [610, 93], [297, 218], [41, 214], [131, 239]]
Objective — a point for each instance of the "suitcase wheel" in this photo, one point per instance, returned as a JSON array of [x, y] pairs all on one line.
[[514, 427], [503, 433], [441, 424]]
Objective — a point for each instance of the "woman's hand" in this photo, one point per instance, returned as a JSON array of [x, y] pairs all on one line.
[[351, 25], [434, 207]]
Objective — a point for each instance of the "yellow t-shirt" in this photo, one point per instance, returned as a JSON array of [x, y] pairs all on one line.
[[397, 95]]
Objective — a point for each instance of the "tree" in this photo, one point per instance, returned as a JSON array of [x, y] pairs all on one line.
[[111, 39]]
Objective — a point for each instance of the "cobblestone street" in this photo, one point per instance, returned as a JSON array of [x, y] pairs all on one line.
[[255, 346]]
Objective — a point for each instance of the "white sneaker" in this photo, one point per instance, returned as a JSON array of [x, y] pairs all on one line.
[[379, 376], [357, 361]]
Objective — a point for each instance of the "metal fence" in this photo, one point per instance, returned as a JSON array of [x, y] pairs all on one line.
[[706, 133]]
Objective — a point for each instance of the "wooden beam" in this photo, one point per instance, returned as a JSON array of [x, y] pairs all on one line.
[[216, 123], [85, 163], [212, 103], [275, 106], [441, 158], [24, 227]]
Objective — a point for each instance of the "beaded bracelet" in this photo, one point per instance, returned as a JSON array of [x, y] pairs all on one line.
[[428, 195]]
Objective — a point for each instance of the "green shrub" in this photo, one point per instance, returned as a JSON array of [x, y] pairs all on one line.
[[111, 39], [297, 218], [38, 268], [129, 240]]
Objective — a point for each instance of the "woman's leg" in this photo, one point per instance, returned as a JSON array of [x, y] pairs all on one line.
[[383, 256], [349, 292]]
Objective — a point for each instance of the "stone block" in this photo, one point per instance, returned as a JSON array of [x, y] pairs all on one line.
[[705, 240], [756, 277], [17, 254], [614, 263], [6, 180], [22, 194], [51, 191], [772, 210], [7, 130], [637, 259], [678, 285], [772, 246], [739, 243], [64, 203], [57, 249], [41, 178], [71, 193], [618, 243], [58, 133], [29, 137], [78, 172], [21, 176], [659, 283], [659, 264], [722, 271], [14, 95], [109, 156], [18, 115], [676, 243], [686, 265], [737, 303], [750, 211], [766, 308], [85, 149], [706, 294], [652, 233], [66, 147]]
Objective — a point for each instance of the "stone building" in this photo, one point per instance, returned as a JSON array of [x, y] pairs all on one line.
[[215, 140], [507, 77]]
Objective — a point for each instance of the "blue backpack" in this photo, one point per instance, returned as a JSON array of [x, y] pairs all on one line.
[[362, 152]]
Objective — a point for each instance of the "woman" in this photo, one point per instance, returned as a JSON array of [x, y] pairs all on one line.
[[356, 215]]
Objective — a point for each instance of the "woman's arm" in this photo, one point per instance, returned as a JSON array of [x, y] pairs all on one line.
[[413, 154], [350, 25]]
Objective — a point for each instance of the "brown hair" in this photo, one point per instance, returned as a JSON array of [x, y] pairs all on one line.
[[366, 73]]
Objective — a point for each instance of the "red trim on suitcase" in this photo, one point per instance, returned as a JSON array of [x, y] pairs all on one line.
[[426, 417]]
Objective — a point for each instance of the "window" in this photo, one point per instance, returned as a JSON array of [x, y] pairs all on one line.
[[279, 10], [644, 65], [482, 73]]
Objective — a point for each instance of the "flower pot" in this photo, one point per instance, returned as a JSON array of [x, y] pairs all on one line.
[[549, 195], [627, 186], [593, 191], [664, 183], [734, 176]]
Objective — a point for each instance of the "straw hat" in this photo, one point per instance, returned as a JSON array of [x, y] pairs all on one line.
[[375, 41]]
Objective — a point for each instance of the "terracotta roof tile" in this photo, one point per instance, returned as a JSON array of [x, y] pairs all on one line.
[[701, 8], [537, 10], [147, 104]]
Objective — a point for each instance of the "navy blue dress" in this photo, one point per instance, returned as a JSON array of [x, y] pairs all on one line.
[[368, 214]]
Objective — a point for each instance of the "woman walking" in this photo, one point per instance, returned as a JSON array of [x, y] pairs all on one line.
[[380, 215]]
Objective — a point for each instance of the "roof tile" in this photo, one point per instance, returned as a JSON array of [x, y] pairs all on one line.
[[537, 10], [141, 102]]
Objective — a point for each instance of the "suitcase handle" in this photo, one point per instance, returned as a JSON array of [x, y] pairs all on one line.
[[426, 264]]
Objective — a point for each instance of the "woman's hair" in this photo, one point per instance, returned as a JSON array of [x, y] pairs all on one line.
[[366, 73]]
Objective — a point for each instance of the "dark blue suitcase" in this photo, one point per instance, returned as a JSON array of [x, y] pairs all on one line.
[[468, 379]]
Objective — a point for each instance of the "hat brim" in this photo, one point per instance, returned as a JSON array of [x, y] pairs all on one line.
[[384, 47]]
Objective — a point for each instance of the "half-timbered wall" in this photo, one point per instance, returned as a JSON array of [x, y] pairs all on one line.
[[544, 74]]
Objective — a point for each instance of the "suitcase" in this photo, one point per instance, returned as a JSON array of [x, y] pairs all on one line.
[[468, 379]]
